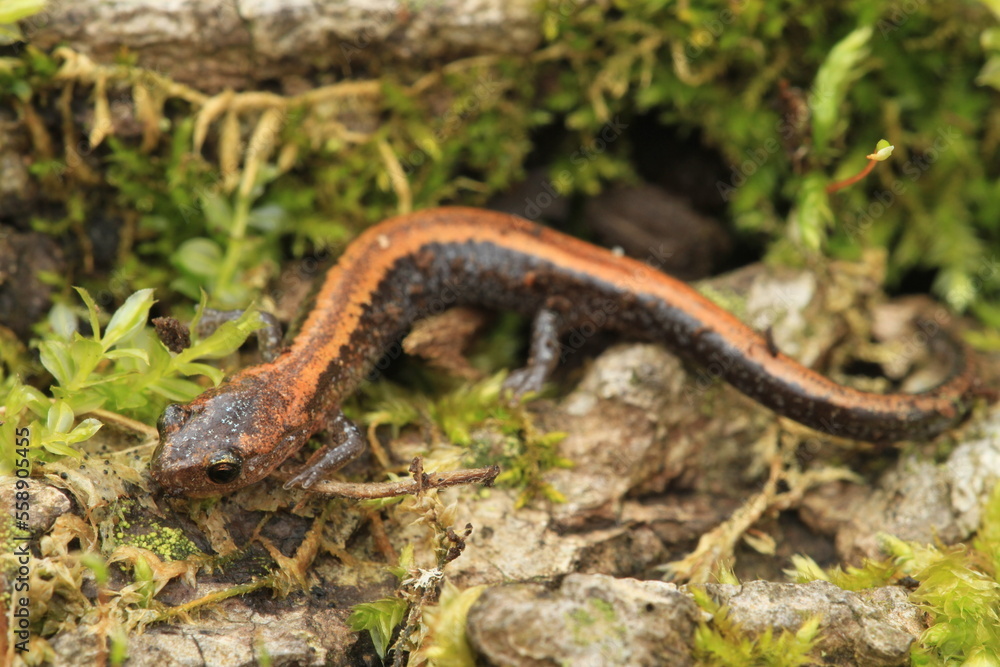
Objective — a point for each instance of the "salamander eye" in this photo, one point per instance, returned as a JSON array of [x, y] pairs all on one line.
[[225, 468]]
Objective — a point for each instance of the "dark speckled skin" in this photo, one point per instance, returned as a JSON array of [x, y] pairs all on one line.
[[419, 264]]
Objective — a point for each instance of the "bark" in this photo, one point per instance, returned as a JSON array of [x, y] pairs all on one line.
[[217, 44]]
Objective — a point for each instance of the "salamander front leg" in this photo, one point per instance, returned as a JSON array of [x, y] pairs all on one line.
[[542, 359], [346, 444]]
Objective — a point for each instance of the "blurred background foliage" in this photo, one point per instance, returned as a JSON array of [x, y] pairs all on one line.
[[200, 192]]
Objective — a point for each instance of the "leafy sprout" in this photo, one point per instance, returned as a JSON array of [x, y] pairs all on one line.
[[124, 368]]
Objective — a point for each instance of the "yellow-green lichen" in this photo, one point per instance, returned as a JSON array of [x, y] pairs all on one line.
[[138, 530]]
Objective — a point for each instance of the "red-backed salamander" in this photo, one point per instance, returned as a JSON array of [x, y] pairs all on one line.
[[410, 266]]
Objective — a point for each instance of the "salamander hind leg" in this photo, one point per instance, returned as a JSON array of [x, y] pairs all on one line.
[[543, 356], [346, 444]]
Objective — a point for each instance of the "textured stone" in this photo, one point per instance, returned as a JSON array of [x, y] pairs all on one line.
[[589, 620], [215, 44], [874, 628]]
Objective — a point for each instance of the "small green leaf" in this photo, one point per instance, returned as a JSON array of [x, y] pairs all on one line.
[[84, 401], [128, 353], [178, 390], [218, 212], [225, 340], [62, 319], [199, 310], [552, 438], [199, 257], [97, 565], [119, 646], [59, 448], [128, 319], [92, 312], [124, 398], [379, 619], [24, 396], [194, 368], [60, 417], [812, 215], [86, 354], [143, 572], [267, 218], [85, 430], [55, 357], [883, 149]]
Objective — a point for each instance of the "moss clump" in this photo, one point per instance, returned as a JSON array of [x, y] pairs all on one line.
[[134, 528], [478, 417], [959, 588], [720, 641], [793, 97]]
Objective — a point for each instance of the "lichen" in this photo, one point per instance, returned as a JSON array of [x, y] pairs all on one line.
[[134, 528]]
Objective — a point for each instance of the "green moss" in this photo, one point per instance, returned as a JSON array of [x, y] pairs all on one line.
[[872, 574], [479, 417], [959, 588], [860, 71], [379, 618], [720, 641], [121, 366], [446, 644]]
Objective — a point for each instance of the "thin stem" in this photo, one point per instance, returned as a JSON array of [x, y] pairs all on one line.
[[840, 185]]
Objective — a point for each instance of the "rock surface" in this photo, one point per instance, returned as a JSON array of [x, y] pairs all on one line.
[[44, 503], [874, 628], [220, 44], [916, 500], [588, 621], [599, 620]]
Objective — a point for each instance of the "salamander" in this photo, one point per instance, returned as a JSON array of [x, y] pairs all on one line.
[[418, 264]]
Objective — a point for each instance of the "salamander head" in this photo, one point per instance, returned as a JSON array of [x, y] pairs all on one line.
[[229, 437]]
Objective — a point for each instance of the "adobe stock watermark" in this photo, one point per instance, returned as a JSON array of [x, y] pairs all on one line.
[[739, 174], [710, 31], [380, 19], [787, 128], [486, 90], [598, 318], [552, 189], [898, 14], [986, 274], [720, 364]]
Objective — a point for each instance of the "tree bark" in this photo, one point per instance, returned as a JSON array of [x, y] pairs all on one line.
[[240, 44]]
